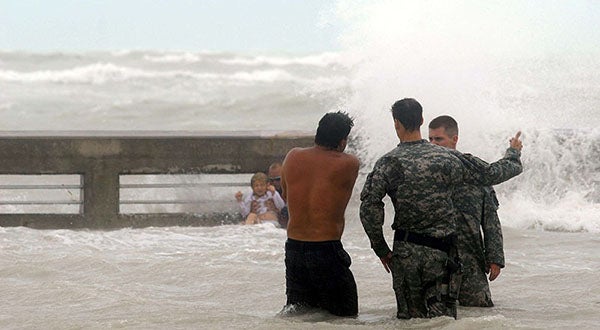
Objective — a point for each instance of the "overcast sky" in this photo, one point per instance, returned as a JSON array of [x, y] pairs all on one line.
[[192, 25], [290, 26]]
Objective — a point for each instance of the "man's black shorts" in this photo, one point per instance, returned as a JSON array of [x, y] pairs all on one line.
[[318, 275]]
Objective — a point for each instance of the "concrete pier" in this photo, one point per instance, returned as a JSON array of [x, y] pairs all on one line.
[[100, 157]]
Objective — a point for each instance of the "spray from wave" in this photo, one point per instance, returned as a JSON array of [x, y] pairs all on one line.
[[495, 67]]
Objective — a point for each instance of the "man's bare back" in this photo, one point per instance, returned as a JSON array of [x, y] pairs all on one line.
[[317, 184]]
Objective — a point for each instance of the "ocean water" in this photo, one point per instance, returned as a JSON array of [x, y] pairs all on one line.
[[232, 277], [157, 90]]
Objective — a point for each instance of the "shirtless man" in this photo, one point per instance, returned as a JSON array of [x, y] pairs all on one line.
[[317, 184]]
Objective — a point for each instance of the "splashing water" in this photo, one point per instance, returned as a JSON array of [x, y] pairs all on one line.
[[496, 69]]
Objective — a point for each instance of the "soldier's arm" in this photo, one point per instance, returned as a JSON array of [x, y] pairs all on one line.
[[479, 172], [372, 208], [492, 229]]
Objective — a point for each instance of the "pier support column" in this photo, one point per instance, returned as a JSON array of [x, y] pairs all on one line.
[[101, 196]]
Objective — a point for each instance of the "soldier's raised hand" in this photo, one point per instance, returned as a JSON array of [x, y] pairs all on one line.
[[515, 142]]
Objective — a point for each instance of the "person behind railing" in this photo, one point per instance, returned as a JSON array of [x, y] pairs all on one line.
[[263, 205], [274, 177]]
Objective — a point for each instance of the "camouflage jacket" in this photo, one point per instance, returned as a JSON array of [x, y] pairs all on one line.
[[420, 179], [477, 206]]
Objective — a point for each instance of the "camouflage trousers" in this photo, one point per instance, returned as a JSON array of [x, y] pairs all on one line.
[[475, 289], [418, 273]]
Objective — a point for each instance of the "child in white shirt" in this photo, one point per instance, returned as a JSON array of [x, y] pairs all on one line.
[[263, 205]]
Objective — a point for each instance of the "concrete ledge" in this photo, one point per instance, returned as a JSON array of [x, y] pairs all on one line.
[[100, 157], [167, 152]]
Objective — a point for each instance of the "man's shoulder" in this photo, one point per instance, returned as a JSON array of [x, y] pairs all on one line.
[[350, 158], [468, 157], [297, 150], [421, 148], [427, 153], [446, 152], [391, 156], [313, 155]]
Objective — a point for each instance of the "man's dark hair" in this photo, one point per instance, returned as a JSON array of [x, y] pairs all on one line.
[[409, 113], [448, 123], [333, 128]]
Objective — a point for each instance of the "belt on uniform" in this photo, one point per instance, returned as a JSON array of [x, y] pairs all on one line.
[[442, 244]]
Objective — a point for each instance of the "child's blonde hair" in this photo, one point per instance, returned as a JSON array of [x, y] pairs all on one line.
[[259, 176]]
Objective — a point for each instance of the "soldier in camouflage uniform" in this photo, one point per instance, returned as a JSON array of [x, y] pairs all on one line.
[[420, 177], [477, 206]]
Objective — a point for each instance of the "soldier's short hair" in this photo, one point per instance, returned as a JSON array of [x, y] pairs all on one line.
[[448, 123], [333, 128], [409, 113]]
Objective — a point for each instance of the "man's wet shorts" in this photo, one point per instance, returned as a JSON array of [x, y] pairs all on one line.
[[318, 275]]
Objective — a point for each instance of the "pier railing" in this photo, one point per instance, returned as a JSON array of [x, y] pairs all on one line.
[[112, 179]]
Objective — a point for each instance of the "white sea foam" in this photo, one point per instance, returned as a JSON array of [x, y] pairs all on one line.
[[102, 73], [98, 73], [571, 213], [319, 60], [174, 58]]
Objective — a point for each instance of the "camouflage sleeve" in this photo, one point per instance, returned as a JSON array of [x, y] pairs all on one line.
[[492, 229], [372, 208], [480, 172]]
